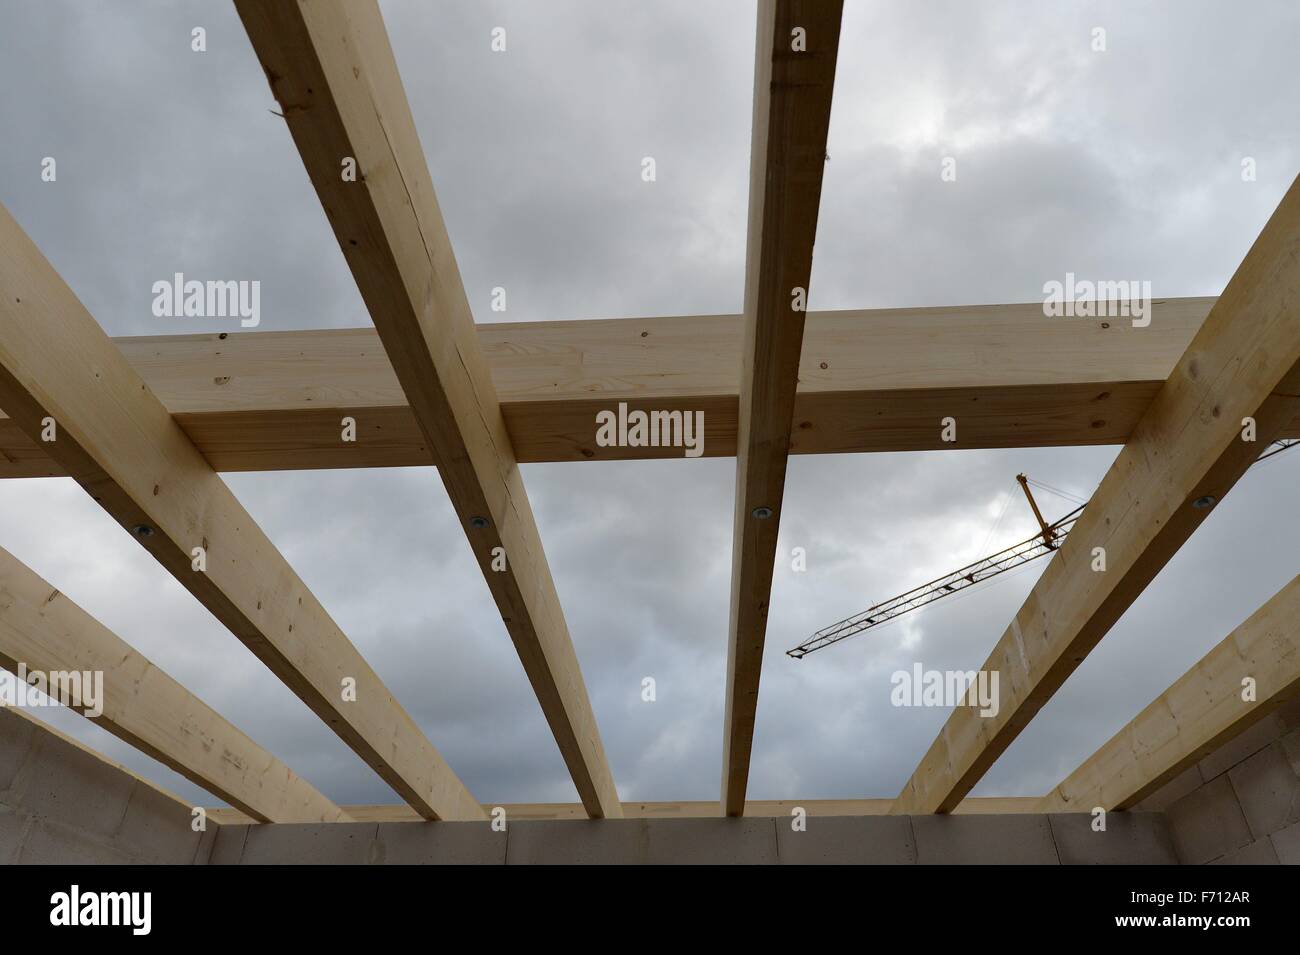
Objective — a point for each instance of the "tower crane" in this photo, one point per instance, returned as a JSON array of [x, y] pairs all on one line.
[[1047, 540]]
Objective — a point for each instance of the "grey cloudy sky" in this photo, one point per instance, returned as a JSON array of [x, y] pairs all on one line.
[[1123, 164]]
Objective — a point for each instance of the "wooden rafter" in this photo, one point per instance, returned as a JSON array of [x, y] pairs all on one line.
[[1205, 707], [794, 77], [331, 68], [59, 369], [875, 380], [1186, 453], [45, 631]]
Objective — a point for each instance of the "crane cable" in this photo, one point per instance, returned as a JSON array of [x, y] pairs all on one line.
[[1059, 493]]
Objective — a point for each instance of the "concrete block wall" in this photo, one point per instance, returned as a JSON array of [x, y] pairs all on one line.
[[1241, 804], [1131, 838], [61, 803]]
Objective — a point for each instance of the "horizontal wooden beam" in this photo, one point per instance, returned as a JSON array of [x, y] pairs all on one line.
[[702, 809], [1204, 708], [62, 378], [46, 632], [1233, 392], [876, 380]]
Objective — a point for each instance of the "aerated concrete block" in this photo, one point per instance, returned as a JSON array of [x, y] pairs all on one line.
[[1259, 852], [1242, 746], [744, 841], [16, 736], [847, 840], [1178, 787], [440, 843], [1130, 838], [1286, 843], [66, 784], [1208, 823], [981, 840], [292, 843], [228, 845], [1268, 790], [578, 842], [13, 828], [642, 841], [54, 843], [207, 841], [156, 828]]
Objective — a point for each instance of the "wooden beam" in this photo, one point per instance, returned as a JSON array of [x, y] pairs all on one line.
[[877, 380], [794, 76], [702, 809], [119, 443], [332, 70], [1185, 455], [45, 631], [1201, 711]]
